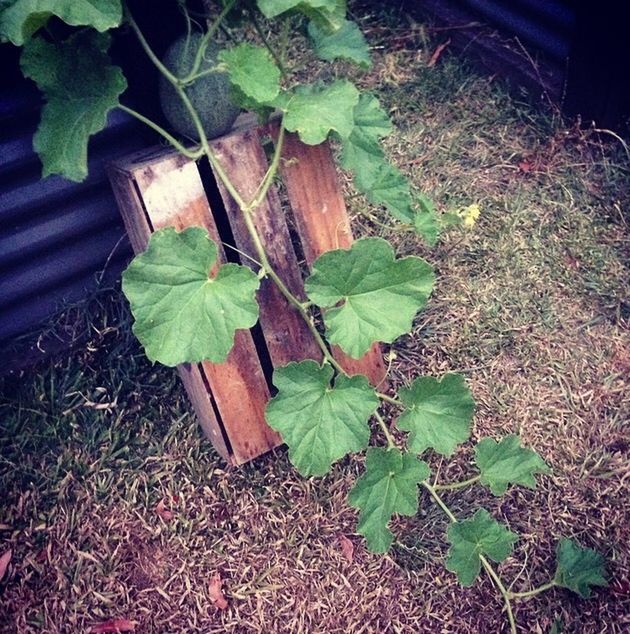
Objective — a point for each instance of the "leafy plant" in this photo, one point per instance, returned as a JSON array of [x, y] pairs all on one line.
[[188, 309]]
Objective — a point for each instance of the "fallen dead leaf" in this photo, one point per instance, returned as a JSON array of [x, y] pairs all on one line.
[[216, 594], [4, 563], [437, 52], [114, 625], [347, 548], [163, 512]]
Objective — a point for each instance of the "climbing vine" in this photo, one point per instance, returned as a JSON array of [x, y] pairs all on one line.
[[365, 293]]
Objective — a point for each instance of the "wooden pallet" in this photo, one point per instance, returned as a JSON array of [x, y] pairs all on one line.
[[161, 188]]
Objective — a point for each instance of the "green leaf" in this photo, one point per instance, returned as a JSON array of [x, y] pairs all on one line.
[[370, 120], [181, 314], [328, 14], [348, 42], [329, 18], [370, 295], [438, 413], [240, 99], [313, 111], [21, 18], [479, 535], [381, 182], [425, 220], [389, 485], [361, 148], [253, 71], [273, 8], [506, 462], [385, 184], [579, 568], [80, 87], [320, 423]]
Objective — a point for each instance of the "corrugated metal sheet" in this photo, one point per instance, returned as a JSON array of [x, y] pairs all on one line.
[[575, 53], [544, 24], [527, 41], [56, 236]]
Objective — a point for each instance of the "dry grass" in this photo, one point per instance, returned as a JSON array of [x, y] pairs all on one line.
[[529, 305]]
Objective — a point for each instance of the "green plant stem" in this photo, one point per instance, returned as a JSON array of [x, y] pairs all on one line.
[[191, 154], [439, 501], [242, 254], [451, 486], [390, 399], [531, 593], [203, 45], [247, 210], [391, 443], [486, 564], [203, 139], [202, 73], [265, 184], [148, 50], [265, 41], [290, 297], [502, 589]]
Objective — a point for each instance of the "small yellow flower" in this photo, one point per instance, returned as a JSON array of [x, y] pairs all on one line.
[[469, 215]]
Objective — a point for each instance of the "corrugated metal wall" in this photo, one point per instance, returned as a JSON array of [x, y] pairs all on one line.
[[525, 40], [56, 236], [59, 239], [546, 25], [575, 53]]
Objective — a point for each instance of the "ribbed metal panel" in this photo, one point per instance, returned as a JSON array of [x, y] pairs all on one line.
[[486, 31], [544, 24], [56, 236]]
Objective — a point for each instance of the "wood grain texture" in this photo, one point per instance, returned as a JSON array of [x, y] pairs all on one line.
[[322, 222], [170, 193], [243, 159], [139, 230]]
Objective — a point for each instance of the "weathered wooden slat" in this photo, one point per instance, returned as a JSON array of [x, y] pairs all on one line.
[[322, 222], [172, 195], [193, 378], [243, 159], [139, 230]]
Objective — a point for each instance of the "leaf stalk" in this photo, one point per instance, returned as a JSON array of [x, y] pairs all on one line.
[[389, 399], [531, 593], [486, 564], [203, 45], [452, 486], [191, 154], [391, 442], [502, 589]]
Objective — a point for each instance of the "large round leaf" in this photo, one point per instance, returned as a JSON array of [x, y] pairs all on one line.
[[181, 313], [478, 535], [389, 485], [437, 413], [369, 295], [321, 423]]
